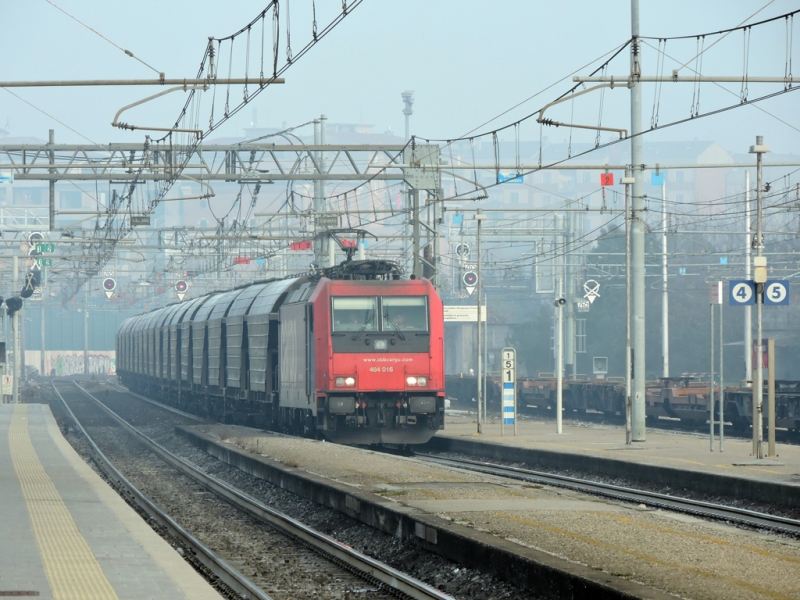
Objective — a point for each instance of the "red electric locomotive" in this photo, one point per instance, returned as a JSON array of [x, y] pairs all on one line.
[[355, 355]]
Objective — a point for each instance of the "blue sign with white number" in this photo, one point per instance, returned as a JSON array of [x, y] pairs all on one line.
[[741, 292], [656, 179], [776, 293]]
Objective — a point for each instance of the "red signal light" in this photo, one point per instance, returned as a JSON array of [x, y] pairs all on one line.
[[470, 278], [181, 286], [109, 284]]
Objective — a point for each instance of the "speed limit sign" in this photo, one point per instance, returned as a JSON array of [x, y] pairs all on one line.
[[509, 389]]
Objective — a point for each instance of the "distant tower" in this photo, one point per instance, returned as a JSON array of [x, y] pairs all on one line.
[[408, 100]]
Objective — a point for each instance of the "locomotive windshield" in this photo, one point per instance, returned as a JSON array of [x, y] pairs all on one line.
[[406, 313], [355, 314], [398, 313]]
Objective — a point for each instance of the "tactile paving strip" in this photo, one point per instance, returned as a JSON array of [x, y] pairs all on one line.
[[72, 570]]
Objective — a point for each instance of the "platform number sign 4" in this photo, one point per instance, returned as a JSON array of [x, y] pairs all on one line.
[[742, 292]]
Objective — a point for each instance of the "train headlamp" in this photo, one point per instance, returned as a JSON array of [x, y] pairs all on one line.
[[345, 381], [416, 381]]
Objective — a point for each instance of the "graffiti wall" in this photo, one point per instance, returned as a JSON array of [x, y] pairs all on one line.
[[62, 363]]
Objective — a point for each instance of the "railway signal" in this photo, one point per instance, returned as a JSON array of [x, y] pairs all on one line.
[[470, 279], [109, 285], [180, 288]]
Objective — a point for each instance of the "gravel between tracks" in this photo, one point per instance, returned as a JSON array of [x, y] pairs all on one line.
[[460, 582]]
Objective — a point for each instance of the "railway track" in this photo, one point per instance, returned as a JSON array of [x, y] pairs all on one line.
[[699, 508], [345, 563], [670, 426]]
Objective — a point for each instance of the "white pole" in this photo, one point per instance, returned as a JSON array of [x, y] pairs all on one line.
[[711, 380], [721, 377], [486, 361], [638, 416], [665, 292], [759, 152], [628, 357], [748, 311], [15, 333], [479, 217], [560, 365]]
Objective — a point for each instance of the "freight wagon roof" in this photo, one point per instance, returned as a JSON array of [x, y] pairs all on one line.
[[244, 300], [187, 308], [222, 305], [206, 308], [266, 299]]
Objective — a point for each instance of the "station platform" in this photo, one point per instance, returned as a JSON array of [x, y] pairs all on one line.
[[676, 459], [557, 542], [65, 534]]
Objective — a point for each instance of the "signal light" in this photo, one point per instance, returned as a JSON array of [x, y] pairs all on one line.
[[470, 278], [109, 284], [181, 286]]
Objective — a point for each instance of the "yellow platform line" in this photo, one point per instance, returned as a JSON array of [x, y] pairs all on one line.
[[71, 568]]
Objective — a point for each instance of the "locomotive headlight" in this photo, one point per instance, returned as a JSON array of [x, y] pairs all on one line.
[[350, 381], [422, 381], [340, 382], [411, 380]]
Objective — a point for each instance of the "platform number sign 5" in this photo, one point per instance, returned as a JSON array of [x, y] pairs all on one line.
[[776, 293]]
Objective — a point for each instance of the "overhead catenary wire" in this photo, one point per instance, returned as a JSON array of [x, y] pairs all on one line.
[[127, 52]]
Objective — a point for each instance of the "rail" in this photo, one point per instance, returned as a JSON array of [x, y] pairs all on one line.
[[334, 550], [666, 501], [207, 557]]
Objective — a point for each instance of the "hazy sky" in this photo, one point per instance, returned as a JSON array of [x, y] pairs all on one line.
[[467, 62]]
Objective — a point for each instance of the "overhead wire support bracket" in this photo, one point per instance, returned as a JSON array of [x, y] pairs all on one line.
[[623, 133], [197, 132]]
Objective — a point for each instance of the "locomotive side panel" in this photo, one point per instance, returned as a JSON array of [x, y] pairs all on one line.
[[293, 358]]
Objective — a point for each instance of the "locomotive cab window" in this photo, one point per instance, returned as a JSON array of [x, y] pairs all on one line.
[[355, 314], [404, 313]]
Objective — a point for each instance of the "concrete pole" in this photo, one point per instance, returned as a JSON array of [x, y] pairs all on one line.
[[42, 334], [560, 363], [479, 216], [759, 305], [416, 265], [628, 357], [721, 377], [52, 154], [486, 361], [748, 312], [664, 285], [771, 397], [15, 333], [331, 252], [569, 292], [85, 331], [318, 201], [637, 235], [711, 381]]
